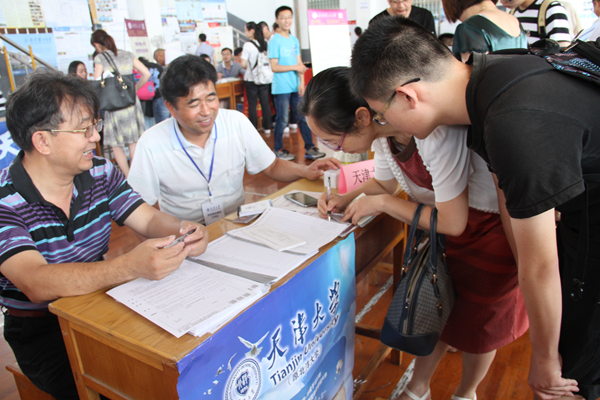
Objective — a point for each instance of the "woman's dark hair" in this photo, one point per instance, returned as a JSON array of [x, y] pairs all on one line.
[[183, 73], [73, 67], [262, 24], [258, 35], [454, 8], [37, 105], [102, 38], [330, 103]]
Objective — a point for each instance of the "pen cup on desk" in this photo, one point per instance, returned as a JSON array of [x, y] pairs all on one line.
[[331, 178]]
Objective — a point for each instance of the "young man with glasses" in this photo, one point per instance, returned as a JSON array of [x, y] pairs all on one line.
[[57, 201], [404, 8], [539, 131], [288, 85]]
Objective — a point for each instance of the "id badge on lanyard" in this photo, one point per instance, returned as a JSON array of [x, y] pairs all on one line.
[[212, 209]]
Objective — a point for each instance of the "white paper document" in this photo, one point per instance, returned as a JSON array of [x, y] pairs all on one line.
[[317, 232], [191, 295], [250, 260], [254, 208], [282, 202], [274, 238]]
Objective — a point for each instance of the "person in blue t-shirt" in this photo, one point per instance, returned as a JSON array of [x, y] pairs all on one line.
[[288, 85]]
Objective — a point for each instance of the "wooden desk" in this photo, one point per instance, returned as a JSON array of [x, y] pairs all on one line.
[[229, 91], [116, 352]]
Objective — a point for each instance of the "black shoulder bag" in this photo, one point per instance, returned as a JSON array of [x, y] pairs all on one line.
[[424, 296], [117, 92]]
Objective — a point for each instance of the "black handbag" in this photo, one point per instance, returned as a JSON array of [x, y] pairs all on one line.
[[424, 296], [117, 92]]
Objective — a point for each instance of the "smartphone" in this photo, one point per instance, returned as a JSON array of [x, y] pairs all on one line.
[[302, 199], [179, 239]]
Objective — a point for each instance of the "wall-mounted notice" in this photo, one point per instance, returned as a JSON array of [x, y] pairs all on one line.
[[42, 44], [335, 50], [67, 13], [138, 37], [111, 15], [171, 30], [214, 11], [23, 13], [73, 44]]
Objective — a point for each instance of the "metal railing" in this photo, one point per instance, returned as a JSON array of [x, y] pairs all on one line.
[[29, 60], [239, 37]]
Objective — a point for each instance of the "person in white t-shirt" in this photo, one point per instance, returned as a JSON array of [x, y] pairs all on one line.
[[256, 91], [193, 164], [441, 172]]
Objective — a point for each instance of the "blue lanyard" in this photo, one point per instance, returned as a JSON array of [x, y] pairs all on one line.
[[212, 162]]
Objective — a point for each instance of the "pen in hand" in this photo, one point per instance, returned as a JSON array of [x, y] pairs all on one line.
[[328, 197]]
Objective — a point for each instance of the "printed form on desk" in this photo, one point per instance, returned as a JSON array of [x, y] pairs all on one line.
[[192, 296], [316, 232]]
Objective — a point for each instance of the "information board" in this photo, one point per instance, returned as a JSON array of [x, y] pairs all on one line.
[[329, 39]]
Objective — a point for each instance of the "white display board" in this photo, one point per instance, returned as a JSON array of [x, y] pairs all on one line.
[[71, 45], [112, 15], [329, 39]]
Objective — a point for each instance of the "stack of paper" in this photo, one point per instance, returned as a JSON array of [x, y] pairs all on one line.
[[248, 260], [316, 232], [190, 296]]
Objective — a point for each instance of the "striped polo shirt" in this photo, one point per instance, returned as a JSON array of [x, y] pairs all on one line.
[[557, 23], [28, 222]]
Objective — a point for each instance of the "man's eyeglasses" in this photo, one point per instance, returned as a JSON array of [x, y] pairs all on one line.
[[379, 117], [88, 131], [331, 146]]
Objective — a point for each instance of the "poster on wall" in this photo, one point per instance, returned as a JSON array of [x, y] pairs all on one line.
[[188, 12], [295, 343], [67, 13], [335, 51], [111, 15], [167, 7], [214, 11], [171, 30], [73, 45], [23, 13], [2, 19], [138, 37], [42, 44]]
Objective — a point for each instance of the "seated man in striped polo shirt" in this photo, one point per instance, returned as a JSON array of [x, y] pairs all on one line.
[[557, 22], [56, 205]]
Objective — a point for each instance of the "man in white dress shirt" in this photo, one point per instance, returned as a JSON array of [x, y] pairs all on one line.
[[193, 164]]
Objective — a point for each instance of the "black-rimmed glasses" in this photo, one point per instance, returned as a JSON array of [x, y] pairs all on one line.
[[379, 117]]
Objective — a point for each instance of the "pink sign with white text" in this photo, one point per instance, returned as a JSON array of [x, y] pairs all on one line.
[[327, 17], [355, 174]]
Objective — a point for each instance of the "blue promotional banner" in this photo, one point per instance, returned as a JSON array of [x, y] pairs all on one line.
[[295, 343], [8, 148]]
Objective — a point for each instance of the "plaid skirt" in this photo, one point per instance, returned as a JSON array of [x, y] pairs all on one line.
[[123, 127]]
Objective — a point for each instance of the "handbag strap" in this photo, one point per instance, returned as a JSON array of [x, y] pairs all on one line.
[[433, 240], [111, 63], [410, 241]]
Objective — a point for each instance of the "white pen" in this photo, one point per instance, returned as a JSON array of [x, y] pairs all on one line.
[[328, 196]]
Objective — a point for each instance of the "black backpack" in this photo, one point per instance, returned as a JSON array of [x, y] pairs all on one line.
[[580, 59]]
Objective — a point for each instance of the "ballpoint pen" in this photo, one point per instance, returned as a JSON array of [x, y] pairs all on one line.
[[328, 197]]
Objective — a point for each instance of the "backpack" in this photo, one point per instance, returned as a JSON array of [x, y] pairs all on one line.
[[575, 25], [261, 70], [580, 59]]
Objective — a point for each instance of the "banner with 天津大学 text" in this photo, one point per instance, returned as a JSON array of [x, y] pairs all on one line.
[[295, 343]]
